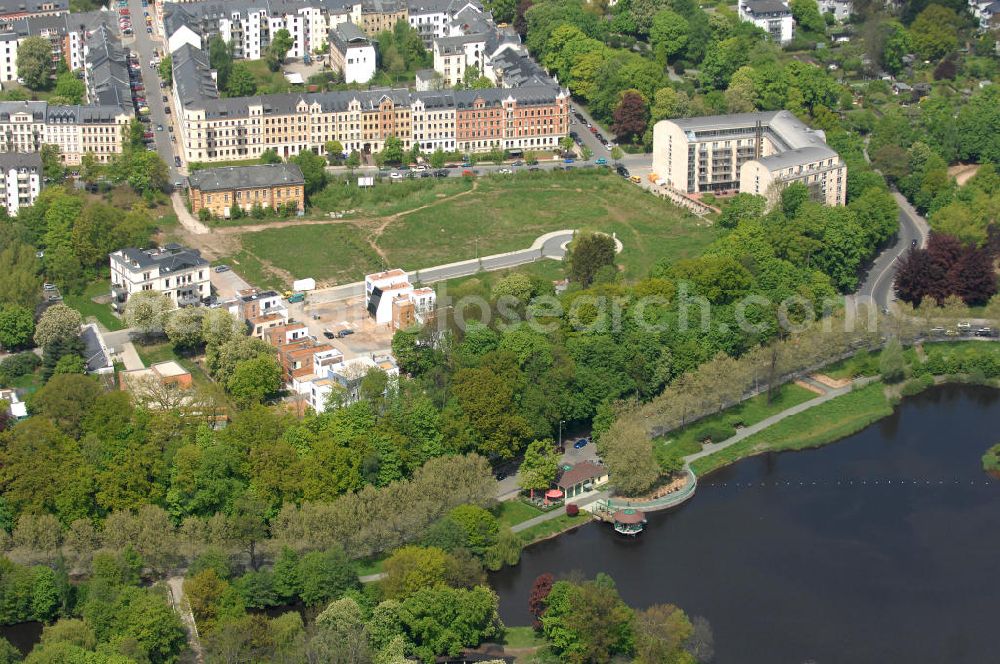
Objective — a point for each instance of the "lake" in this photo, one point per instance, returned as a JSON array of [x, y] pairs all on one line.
[[882, 547]]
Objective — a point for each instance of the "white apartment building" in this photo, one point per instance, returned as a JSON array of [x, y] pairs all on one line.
[[392, 300], [757, 153], [352, 53], [8, 56], [841, 9], [20, 180], [27, 125], [177, 272], [333, 373], [772, 16], [453, 55]]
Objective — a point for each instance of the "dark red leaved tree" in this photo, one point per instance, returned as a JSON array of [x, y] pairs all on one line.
[[630, 117], [540, 590]]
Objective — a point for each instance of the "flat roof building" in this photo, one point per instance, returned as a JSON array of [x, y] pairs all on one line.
[[757, 153]]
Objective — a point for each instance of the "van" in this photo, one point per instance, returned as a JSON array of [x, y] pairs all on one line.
[[296, 297]]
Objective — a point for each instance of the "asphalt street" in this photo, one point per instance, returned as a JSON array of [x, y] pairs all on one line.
[[878, 282], [143, 44]]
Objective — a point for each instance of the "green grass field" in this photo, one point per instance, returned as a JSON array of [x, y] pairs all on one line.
[[817, 426], [508, 212], [513, 512], [336, 253], [522, 637], [504, 213], [84, 303], [723, 425], [386, 198]]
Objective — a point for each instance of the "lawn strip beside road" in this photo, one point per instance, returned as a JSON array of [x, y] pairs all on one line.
[[825, 423]]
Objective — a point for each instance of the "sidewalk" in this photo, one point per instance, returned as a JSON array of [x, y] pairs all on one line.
[[556, 513], [746, 432]]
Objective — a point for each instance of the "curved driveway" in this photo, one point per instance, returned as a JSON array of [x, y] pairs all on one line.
[[877, 284]]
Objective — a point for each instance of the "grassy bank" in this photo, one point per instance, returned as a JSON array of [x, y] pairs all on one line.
[[723, 425], [817, 426], [547, 529]]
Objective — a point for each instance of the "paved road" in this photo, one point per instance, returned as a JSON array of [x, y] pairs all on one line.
[[550, 245], [143, 44], [878, 283]]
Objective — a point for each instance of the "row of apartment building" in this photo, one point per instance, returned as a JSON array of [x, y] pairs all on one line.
[[223, 129]]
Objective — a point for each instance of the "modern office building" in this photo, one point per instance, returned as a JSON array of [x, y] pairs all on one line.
[[758, 153]]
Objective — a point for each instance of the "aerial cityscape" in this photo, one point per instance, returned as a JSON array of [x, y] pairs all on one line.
[[506, 331]]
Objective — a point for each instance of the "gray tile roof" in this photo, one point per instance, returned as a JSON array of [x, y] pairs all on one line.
[[42, 111], [13, 160], [766, 6], [193, 76], [169, 258], [32, 6], [95, 357], [107, 70], [347, 35], [245, 177]]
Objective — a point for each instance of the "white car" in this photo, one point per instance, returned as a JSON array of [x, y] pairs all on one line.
[[505, 171], [395, 175], [419, 169]]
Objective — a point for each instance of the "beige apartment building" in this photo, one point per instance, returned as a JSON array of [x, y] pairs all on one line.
[[757, 153], [25, 126], [217, 129]]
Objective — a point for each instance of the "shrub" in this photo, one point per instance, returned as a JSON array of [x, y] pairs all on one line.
[[991, 460], [917, 385], [572, 509], [716, 431], [18, 365]]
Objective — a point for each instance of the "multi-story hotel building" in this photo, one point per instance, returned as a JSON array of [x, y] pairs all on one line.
[[20, 180], [758, 153], [216, 129], [25, 126]]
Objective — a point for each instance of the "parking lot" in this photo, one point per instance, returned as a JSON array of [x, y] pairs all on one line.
[[226, 284], [365, 337]]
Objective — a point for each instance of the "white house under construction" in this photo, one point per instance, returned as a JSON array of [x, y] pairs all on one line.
[[757, 153]]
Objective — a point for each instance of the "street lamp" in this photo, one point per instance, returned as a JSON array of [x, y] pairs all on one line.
[[561, 422]]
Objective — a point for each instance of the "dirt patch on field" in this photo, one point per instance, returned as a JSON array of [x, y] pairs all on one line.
[[963, 172]]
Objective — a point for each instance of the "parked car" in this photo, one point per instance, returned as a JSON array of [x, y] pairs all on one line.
[[328, 334], [177, 161], [601, 161], [48, 286], [505, 171], [345, 333], [984, 332], [468, 174], [580, 444], [441, 173], [166, 109], [222, 268], [395, 175], [622, 171]]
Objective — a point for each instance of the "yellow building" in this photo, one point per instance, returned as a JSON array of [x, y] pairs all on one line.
[[219, 190]]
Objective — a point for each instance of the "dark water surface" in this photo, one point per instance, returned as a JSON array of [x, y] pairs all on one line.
[[883, 547]]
